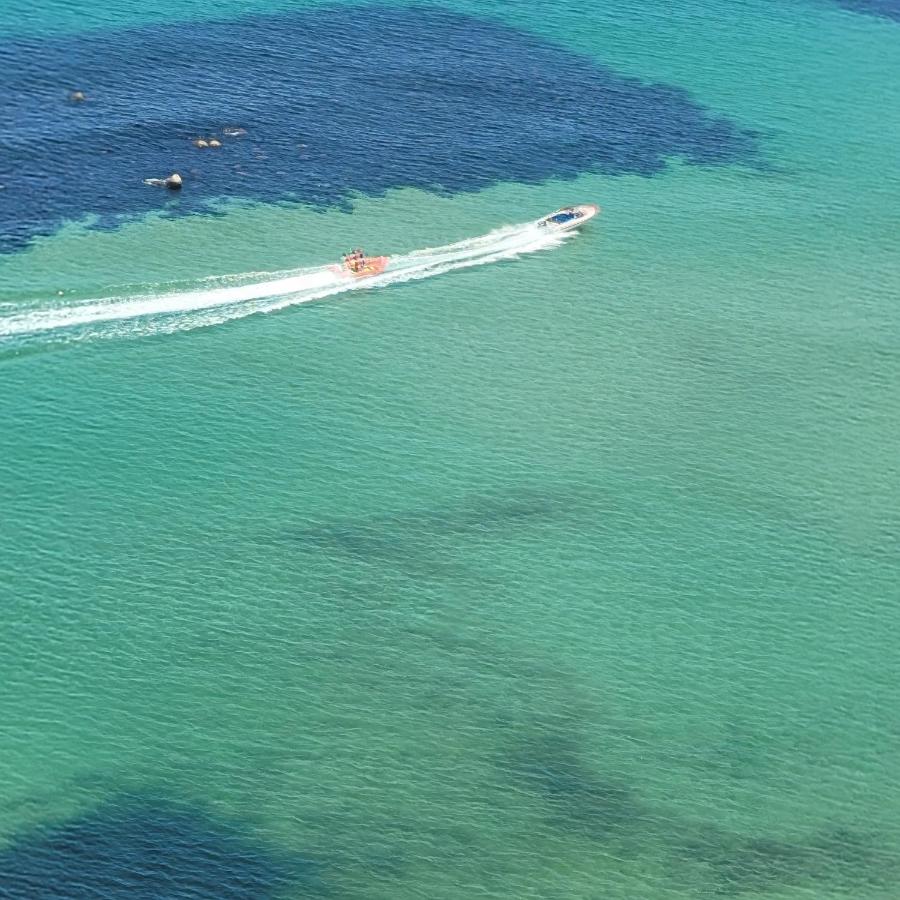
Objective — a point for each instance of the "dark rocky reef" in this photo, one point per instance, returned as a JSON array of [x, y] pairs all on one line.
[[317, 105]]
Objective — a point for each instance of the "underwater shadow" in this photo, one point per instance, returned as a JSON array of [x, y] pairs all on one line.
[[414, 539], [837, 859], [548, 760]]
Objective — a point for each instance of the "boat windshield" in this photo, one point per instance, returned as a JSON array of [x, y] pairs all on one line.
[[565, 216]]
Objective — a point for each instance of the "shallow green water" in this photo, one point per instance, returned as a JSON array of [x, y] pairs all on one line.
[[573, 576]]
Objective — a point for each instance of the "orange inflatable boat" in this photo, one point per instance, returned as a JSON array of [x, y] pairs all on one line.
[[357, 265]]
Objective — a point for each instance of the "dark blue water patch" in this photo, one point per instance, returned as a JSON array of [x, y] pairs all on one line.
[[147, 851], [334, 101], [888, 9]]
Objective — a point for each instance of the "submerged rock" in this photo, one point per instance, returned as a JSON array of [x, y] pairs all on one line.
[[173, 181]]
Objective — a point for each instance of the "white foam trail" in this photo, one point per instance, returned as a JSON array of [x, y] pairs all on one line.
[[176, 310]]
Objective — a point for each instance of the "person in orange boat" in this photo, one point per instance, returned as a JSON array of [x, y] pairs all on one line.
[[356, 260]]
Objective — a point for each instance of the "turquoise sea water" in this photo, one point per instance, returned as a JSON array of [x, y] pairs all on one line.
[[566, 576]]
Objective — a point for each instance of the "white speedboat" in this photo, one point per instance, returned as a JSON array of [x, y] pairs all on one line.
[[569, 217]]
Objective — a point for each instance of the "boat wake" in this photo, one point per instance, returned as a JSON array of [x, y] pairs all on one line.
[[161, 309]]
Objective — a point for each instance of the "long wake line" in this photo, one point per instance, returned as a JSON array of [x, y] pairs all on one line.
[[162, 312]]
